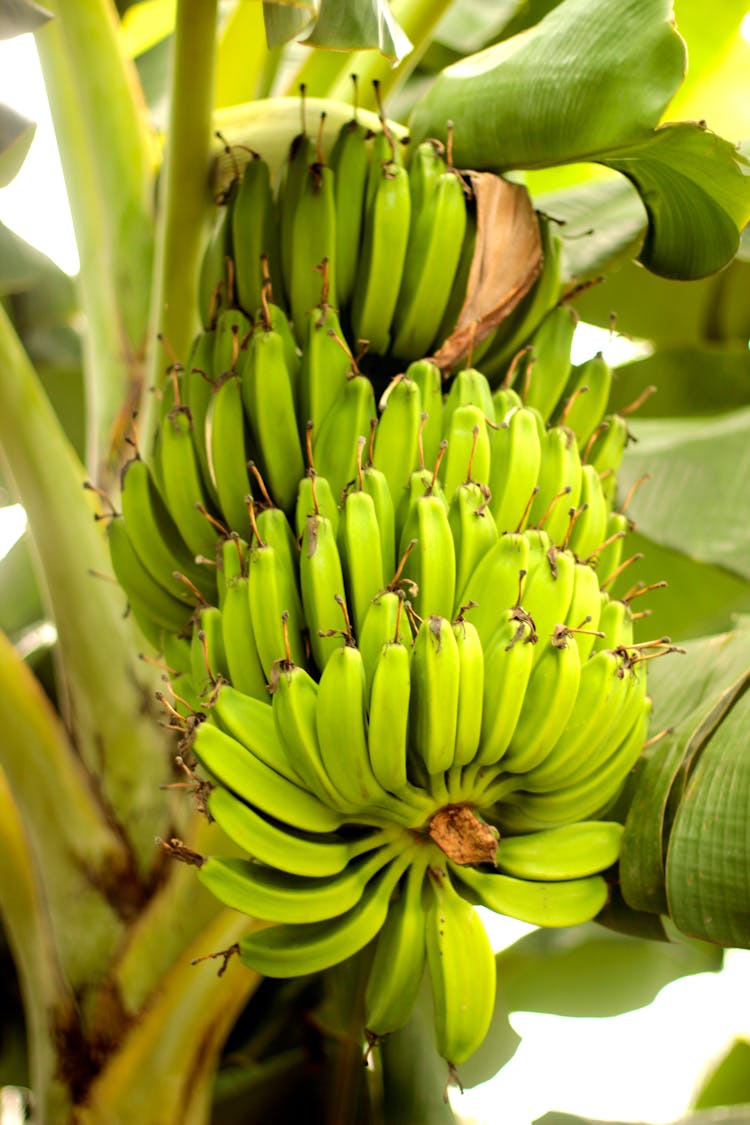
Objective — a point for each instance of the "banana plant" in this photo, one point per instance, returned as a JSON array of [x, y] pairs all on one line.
[[104, 928]]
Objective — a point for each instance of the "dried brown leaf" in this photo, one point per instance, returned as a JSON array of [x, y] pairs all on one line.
[[507, 261]]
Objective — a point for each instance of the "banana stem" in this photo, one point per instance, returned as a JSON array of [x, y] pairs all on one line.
[[185, 200], [106, 148]]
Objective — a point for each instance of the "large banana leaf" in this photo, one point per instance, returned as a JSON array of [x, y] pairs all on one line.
[[590, 83], [687, 847]]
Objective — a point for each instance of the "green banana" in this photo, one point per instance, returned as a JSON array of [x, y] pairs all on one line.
[[148, 599], [381, 263], [559, 484], [251, 721], [431, 565], [361, 553], [290, 951], [494, 583], [549, 701], [349, 161], [549, 362], [426, 375], [183, 486], [385, 621], [322, 581], [468, 454], [473, 528], [325, 367], [587, 395], [396, 974], [341, 720], [590, 527], [227, 451], [156, 540], [336, 444], [388, 722], [436, 237], [268, 397], [276, 896], [508, 659], [396, 450], [255, 235], [462, 970], [435, 671], [238, 629], [567, 903], [295, 706], [214, 282], [297, 854], [574, 851], [253, 781], [601, 695], [516, 459], [313, 243], [470, 692]]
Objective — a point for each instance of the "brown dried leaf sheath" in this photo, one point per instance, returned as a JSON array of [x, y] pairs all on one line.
[[507, 261], [463, 836]]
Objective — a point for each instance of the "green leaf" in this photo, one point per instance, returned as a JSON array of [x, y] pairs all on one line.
[[285, 20], [697, 196], [591, 83], [729, 1081], [17, 17], [586, 971], [586, 78], [696, 500], [708, 857], [16, 135], [659, 789], [350, 27]]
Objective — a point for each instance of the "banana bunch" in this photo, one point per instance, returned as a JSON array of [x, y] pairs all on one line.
[[407, 687], [383, 219], [386, 605]]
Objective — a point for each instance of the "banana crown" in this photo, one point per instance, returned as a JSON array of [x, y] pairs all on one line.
[[389, 616]]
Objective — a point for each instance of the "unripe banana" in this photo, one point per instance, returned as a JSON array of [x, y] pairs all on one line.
[[462, 971], [313, 241], [349, 161], [336, 444], [431, 564], [571, 852], [468, 454], [389, 696], [470, 692], [436, 236], [255, 235], [587, 395], [435, 674], [566, 903], [341, 722], [473, 528], [322, 582], [397, 435], [549, 362], [516, 458], [396, 973], [426, 375], [361, 553], [385, 237]]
